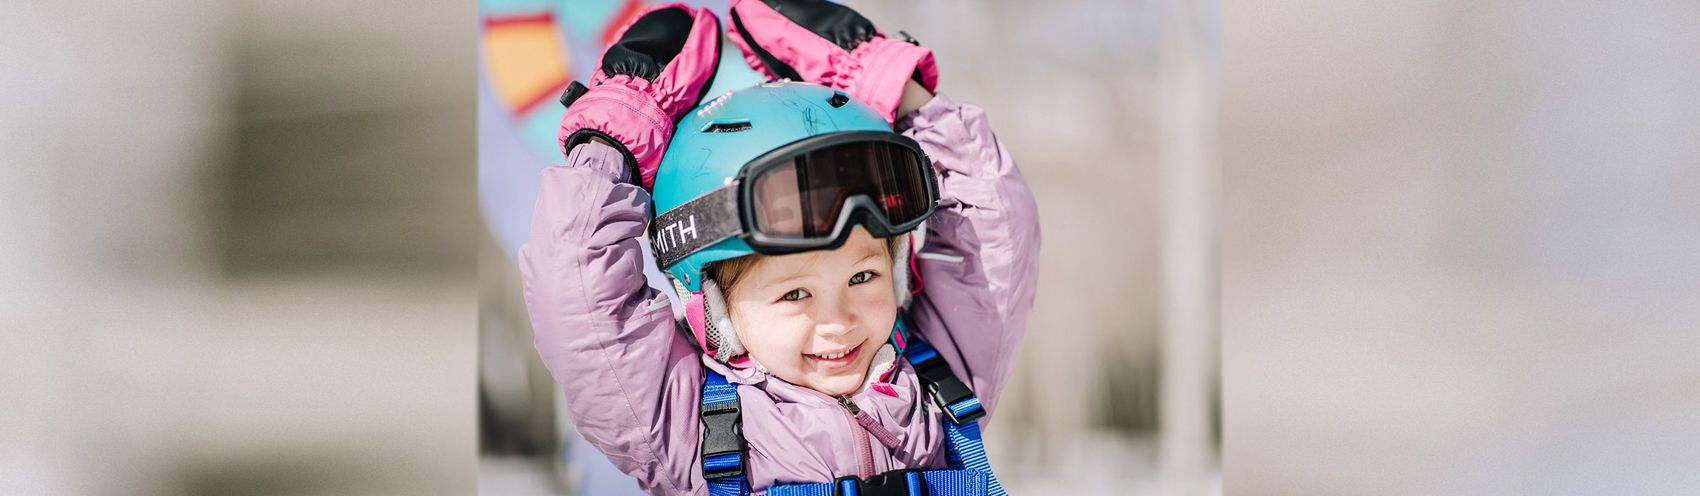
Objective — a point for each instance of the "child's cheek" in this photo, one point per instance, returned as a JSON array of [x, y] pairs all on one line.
[[781, 335], [798, 332], [879, 307], [875, 298]]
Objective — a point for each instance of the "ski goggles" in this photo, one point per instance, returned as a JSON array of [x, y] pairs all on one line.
[[805, 196]]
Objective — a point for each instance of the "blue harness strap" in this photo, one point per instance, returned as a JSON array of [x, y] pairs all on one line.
[[966, 451], [970, 470], [912, 482], [722, 441]]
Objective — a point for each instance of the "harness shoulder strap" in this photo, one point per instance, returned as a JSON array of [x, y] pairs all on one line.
[[949, 393], [966, 450], [722, 436]]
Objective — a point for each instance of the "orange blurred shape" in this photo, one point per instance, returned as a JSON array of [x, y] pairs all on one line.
[[524, 59]]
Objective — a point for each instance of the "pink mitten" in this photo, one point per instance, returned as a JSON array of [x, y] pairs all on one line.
[[822, 42], [656, 71]]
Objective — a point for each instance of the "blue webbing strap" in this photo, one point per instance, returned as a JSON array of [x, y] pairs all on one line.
[[966, 450], [723, 445], [938, 483]]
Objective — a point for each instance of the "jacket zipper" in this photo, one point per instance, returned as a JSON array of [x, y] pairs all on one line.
[[869, 423], [864, 453], [869, 426]]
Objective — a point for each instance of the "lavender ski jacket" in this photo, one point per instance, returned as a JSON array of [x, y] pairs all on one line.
[[633, 382]]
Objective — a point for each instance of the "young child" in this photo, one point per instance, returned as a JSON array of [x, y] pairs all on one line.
[[787, 215]]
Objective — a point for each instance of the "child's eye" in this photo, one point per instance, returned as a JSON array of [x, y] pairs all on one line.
[[863, 276], [795, 294]]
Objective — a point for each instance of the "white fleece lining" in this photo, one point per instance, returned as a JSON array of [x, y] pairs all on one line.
[[919, 236], [884, 359], [900, 272], [715, 309]]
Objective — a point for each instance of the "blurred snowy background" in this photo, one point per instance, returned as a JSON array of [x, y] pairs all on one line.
[[1461, 248], [238, 248]]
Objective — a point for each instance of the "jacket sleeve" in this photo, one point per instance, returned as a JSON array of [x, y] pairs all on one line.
[[608, 339], [980, 261]]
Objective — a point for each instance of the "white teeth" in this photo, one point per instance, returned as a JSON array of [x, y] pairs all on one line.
[[833, 356]]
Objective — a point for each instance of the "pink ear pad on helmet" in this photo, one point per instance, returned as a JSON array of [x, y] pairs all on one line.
[[694, 316], [914, 270]]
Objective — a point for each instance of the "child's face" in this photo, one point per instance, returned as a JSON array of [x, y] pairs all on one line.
[[793, 312]]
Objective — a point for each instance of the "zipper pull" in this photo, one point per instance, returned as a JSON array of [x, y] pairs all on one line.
[[849, 405], [869, 423]]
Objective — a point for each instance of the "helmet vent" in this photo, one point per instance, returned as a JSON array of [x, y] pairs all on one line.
[[838, 99], [727, 127]]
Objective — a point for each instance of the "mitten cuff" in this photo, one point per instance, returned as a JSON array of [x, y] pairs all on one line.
[[626, 113], [886, 66]]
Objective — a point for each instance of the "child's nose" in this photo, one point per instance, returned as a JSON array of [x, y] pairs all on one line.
[[837, 326], [832, 329], [835, 319]]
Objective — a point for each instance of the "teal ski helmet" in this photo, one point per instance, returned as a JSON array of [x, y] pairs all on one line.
[[714, 142]]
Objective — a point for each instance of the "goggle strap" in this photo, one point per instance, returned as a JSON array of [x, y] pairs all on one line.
[[695, 224]]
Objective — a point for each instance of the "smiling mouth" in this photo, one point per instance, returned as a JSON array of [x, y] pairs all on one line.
[[838, 358]]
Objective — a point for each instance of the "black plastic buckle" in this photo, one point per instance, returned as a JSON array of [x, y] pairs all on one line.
[[946, 389], [574, 90], [893, 483], [722, 434]]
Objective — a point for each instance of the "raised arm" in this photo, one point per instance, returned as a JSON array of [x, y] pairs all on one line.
[[606, 336], [980, 263], [631, 380]]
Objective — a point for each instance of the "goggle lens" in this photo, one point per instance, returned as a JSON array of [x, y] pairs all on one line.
[[804, 197]]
